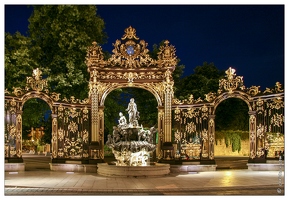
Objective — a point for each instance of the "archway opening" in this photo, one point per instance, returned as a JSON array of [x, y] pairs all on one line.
[[36, 134], [117, 101], [232, 145]]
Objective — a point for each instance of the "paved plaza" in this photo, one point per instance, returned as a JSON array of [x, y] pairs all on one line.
[[231, 178], [222, 182]]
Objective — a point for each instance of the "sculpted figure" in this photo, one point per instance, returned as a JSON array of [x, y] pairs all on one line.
[[122, 120], [132, 113]]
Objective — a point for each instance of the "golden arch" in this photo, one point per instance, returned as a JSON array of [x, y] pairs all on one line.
[[40, 95], [235, 94], [137, 85]]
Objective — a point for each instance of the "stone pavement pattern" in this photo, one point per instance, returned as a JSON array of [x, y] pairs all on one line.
[[223, 182]]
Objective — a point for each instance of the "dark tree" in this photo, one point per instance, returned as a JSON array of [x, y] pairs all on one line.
[[205, 79]]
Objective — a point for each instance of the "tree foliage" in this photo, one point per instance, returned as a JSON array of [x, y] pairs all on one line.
[[34, 113], [58, 38], [57, 41], [63, 33], [232, 138], [232, 114], [19, 60], [205, 79]]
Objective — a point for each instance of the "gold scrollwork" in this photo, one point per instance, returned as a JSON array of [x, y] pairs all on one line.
[[166, 55], [94, 55], [36, 82], [277, 103], [210, 96], [191, 127], [130, 54], [129, 33], [232, 82], [55, 96], [278, 87], [73, 127], [130, 76], [253, 90], [60, 134], [85, 112], [191, 112], [17, 91], [73, 112], [277, 120]]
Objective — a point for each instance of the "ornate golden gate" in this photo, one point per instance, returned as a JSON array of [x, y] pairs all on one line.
[[190, 116], [131, 66], [70, 122], [78, 125]]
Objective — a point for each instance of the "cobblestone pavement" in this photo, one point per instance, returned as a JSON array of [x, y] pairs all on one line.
[[223, 182]]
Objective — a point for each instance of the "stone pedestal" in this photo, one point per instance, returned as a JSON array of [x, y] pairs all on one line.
[[14, 167], [73, 167], [156, 169]]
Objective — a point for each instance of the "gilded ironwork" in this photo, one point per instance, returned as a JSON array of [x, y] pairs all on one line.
[[277, 89], [129, 33], [232, 82], [76, 123], [131, 66], [265, 110], [70, 118], [36, 82]]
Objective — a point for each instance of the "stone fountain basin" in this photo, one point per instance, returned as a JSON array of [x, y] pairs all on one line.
[[154, 169]]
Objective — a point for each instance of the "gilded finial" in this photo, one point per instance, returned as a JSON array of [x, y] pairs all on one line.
[[130, 33]]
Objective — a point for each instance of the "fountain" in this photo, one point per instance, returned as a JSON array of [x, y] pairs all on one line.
[[132, 146]]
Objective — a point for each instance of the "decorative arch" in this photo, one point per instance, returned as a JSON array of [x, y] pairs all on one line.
[[234, 94], [190, 116], [131, 66], [35, 94], [159, 99], [70, 121]]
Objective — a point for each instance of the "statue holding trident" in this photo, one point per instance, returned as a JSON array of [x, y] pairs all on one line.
[[133, 114]]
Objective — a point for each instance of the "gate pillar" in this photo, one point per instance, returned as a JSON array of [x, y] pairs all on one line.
[[94, 115], [167, 145], [208, 144], [101, 131], [54, 138], [18, 139], [253, 139], [168, 112], [160, 131], [96, 149]]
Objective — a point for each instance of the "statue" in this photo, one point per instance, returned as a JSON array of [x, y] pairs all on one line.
[[122, 120], [115, 134], [131, 144], [132, 113]]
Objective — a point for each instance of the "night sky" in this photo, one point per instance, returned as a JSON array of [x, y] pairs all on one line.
[[249, 38]]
